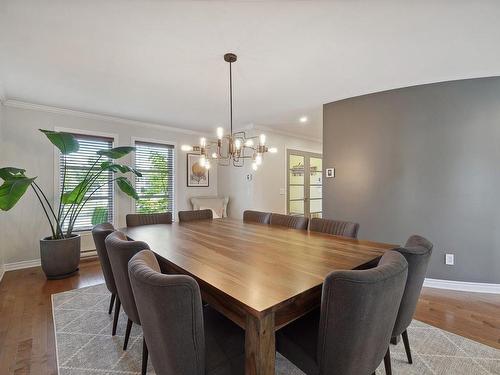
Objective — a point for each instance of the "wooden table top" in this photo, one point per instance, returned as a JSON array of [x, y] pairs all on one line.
[[260, 266]]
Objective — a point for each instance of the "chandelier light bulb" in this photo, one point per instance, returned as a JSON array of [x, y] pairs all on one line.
[[186, 148], [258, 159], [262, 139], [249, 143], [273, 150], [254, 166], [203, 142], [220, 132], [237, 143], [214, 155]]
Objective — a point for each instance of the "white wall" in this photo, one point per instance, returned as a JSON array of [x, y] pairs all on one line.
[[25, 147], [263, 192]]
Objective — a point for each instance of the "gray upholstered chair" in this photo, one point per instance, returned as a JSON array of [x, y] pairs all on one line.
[[350, 334], [417, 252], [335, 227], [184, 337], [120, 251], [195, 215], [99, 233], [135, 220], [250, 216], [289, 221]]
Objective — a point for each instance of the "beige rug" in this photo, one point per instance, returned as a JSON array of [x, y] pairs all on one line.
[[85, 345]]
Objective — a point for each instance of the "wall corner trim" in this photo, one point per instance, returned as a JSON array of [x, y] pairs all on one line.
[[463, 286], [2, 272], [21, 265]]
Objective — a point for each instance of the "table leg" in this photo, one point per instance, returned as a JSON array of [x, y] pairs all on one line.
[[260, 345]]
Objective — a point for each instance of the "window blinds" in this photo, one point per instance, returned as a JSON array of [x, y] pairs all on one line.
[[156, 186], [99, 207]]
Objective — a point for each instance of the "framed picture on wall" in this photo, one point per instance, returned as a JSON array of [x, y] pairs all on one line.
[[197, 175]]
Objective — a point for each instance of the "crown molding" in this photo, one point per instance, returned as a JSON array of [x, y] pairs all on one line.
[[96, 116], [285, 133]]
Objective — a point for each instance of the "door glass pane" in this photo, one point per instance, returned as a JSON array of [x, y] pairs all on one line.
[[297, 208], [315, 192], [315, 205], [296, 165], [296, 192], [316, 178], [316, 167], [316, 164]]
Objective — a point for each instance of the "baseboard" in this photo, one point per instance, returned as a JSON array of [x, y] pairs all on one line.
[[23, 264], [463, 286]]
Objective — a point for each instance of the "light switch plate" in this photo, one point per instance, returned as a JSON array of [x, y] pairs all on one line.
[[330, 173], [449, 259]]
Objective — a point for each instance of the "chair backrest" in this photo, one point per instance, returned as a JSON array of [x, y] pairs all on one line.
[[250, 216], [135, 220], [417, 253], [171, 313], [195, 215], [358, 311], [289, 221], [335, 227], [120, 251], [99, 233]]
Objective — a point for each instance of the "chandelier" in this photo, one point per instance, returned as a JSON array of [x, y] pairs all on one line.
[[233, 148]]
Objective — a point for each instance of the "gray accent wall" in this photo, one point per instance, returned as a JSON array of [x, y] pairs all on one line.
[[421, 160]]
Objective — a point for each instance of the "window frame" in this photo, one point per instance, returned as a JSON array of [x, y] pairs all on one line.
[[133, 141], [57, 166]]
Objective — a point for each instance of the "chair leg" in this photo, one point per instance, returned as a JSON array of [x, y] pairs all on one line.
[[117, 314], [387, 362], [111, 303], [407, 346], [144, 357], [127, 334]]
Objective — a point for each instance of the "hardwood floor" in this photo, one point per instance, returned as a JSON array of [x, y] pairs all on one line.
[[27, 343], [472, 315]]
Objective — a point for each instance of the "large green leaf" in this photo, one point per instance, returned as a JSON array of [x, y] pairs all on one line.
[[125, 186], [76, 195], [12, 190], [65, 142], [110, 166], [99, 216], [117, 152], [9, 173]]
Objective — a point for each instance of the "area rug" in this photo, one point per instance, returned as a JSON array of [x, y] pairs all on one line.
[[85, 345]]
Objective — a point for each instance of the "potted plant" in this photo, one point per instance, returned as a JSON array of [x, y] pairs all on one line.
[[60, 252]]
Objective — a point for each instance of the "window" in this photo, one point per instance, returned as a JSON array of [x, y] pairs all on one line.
[[156, 186], [99, 207]]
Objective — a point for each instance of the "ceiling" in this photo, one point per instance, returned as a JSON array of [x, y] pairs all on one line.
[[162, 61]]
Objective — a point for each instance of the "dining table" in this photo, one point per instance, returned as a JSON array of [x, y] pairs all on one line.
[[260, 276]]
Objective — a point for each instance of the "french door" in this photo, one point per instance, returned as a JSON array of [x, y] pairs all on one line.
[[304, 183]]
